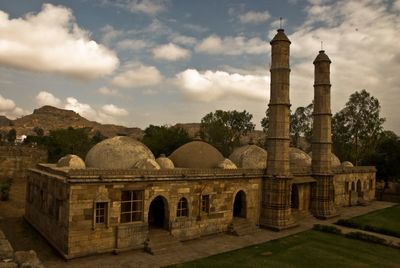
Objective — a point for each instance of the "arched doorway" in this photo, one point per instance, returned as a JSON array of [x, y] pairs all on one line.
[[239, 205], [359, 188], [158, 213], [294, 197]]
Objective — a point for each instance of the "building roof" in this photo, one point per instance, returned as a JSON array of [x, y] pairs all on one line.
[[280, 36], [196, 154], [71, 161], [119, 152], [298, 158], [249, 156], [322, 57]]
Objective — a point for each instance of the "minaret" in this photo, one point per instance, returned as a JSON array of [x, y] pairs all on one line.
[[322, 194], [276, 211]]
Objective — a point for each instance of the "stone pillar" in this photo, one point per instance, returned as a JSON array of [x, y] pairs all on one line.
[[276, 211], [322, 205]]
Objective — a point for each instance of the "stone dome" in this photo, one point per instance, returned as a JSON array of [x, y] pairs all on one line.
[[347, 164], [71, 161], [298, 158], [196, 154], [227, 164], [335, 162], [164, 162], [119, 152], [147, 164], [249, 156]]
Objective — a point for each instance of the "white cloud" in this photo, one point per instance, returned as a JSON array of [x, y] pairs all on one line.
[[109, 34], [51, 41], [83, 109], [170, 52], [183, 39], [254, 17], [131, 44], [113, 110], [107, 91], [149, 7], [6, 104], [138, 76], [210, 86], [46, 98], [232, 45]]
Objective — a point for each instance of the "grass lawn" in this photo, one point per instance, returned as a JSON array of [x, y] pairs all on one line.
[[307, 249], [388, 218]]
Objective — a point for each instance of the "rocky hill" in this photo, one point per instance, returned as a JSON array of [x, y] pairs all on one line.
[[51, 118]]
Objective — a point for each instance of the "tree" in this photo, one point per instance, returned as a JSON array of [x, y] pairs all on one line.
[[164, 139], [301, 124], [11, 135], [356, 128], [39, 131], [223, 129]]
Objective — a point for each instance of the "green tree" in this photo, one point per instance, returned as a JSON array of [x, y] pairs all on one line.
[[164, 139], [356, 128], [11, 135], [39, 131], [301, 124], [386, 157], [223, 129]]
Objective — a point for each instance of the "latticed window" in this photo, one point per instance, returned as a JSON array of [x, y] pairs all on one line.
[[101, 212], [205, 203], [182, 208], [131, 206]]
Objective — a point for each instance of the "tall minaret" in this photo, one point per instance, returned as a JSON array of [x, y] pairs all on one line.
[[276, 211], [322, 194]]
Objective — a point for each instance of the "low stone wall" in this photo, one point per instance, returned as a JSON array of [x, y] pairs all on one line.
[[16, 160], [11, 259]]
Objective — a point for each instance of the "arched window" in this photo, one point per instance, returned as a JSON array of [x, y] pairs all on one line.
[[182, 208]]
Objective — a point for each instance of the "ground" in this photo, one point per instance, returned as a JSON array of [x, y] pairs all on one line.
[[306, 250]]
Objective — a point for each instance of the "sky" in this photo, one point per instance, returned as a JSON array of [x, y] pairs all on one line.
[[141, 62]]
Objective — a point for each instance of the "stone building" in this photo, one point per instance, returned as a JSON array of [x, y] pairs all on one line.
[[121, 197]]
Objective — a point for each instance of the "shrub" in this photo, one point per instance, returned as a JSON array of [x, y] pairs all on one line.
[[381, 230], [366, 237], [327, 229], [348, 223], [5, 188]]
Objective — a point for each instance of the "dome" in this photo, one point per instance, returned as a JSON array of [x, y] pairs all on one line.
[[347, 164], [165, 163], [335, 162], [249, 156], [147, 164], [227, 164], [196, 154], [119, 152], [299, 158], [71, 161]]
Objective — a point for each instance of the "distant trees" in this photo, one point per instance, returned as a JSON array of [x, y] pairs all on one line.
[[357, 127], [61, 142], [164, 139], [223, 129], [11, 135]]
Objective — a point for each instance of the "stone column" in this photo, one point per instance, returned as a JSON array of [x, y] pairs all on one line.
[[276, 211], [322, 205]]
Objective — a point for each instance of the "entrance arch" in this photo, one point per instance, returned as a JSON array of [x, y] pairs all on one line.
[[158, 213], [359, 186], [240, 205], [294, 197]]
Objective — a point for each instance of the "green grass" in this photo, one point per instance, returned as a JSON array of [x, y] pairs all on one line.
[[307, 249], [388, 218]]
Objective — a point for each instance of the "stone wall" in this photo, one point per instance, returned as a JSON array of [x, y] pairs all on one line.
[[354, 185], [16, 160]]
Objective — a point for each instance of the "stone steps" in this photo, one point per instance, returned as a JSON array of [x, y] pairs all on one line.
[[161, 242], [241, 226]]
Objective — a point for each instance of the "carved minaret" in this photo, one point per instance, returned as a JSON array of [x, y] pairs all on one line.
[[276, 211], [322, 194]]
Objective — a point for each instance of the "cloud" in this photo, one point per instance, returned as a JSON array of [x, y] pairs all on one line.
[[131, 44], [254, 17], [361, 38], [6, 104], [51, 41], [107, 91], [170, 52], [109, 34], [183, 39], [138, 76], [9, 108], [149, 7], [46, 98], [113, 110], [213, 85], [238, 45]]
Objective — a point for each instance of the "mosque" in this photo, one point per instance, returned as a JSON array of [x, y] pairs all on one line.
[[121, 197]]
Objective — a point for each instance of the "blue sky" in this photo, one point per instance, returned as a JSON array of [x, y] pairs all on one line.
[[137, 63]]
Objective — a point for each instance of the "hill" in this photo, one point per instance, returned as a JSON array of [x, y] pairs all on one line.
[[51, 118]]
